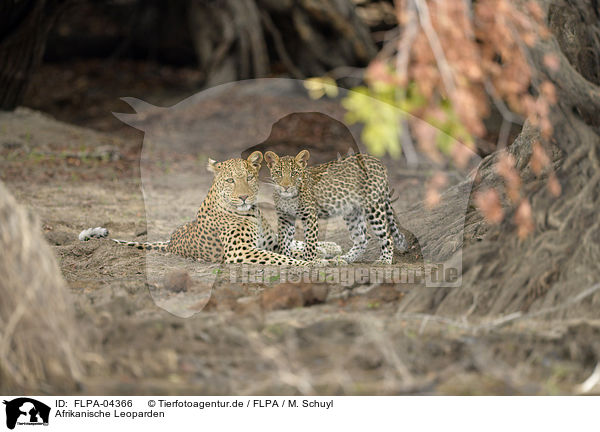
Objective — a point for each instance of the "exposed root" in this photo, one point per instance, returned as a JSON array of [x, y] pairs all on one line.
[[505, 275]]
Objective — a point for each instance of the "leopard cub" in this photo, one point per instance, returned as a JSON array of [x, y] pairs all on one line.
[[355, 187]]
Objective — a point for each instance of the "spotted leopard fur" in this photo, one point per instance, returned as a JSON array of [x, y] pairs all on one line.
[[229, 226], [355, 187]]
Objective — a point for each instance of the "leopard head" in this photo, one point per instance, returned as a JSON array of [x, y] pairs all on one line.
[[236, 182], [287, 172]]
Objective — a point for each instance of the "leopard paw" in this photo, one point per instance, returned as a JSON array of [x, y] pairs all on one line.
[[329, 262], [328, 249]]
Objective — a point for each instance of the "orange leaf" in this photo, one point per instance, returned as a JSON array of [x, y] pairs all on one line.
[[554, 185], [524, 219], [552, 61], [434, 186], [539, 158], [505, 167], [488, 203]]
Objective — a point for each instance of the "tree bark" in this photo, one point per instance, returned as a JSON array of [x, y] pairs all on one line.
[[502, 274], [308, 37], [24, 28]]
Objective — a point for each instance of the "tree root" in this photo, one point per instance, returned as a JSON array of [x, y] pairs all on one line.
[[309, 37], [504, 275]]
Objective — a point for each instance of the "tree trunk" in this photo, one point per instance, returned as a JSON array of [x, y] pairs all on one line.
[[308, 38], [228, 40], [502, 274], [24, 27]]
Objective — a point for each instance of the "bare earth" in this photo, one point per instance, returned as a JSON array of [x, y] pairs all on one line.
[[170, 333]]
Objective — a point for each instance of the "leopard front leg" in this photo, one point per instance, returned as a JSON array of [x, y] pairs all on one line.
[[240, 246], [311, 233], [248, 254], [267, 238], [286, 227], [239, 242]]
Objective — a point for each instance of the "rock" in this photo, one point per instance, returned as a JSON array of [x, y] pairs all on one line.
[[141, 231], [178, 281], [248, 305], [314, 294], [224, 298], [369, 359], [59, 237], [282, 296], [386, 293]]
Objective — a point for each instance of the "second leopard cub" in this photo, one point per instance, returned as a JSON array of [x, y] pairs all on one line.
[[355, 187]]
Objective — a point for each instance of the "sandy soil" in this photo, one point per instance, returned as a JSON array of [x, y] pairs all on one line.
[[152, 327]]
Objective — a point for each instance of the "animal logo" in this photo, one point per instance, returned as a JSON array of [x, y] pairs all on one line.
[[26, 411], [431, 198]]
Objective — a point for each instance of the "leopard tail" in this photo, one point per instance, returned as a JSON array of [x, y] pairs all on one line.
[[159, 246]]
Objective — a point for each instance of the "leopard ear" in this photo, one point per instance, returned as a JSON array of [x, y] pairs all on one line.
[[213, 166], [255, 159], [271, 159], [302, 158]]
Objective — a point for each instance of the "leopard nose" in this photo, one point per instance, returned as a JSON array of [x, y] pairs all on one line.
[[243, 197]]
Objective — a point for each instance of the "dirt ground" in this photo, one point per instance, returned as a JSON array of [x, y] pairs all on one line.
[[164, 331]]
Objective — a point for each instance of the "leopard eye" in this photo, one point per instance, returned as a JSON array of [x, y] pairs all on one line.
[[250, 177], [229, 180]]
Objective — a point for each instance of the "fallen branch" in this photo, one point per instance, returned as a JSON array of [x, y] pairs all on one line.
[[588, 385], [503, 320], [518, 315]]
